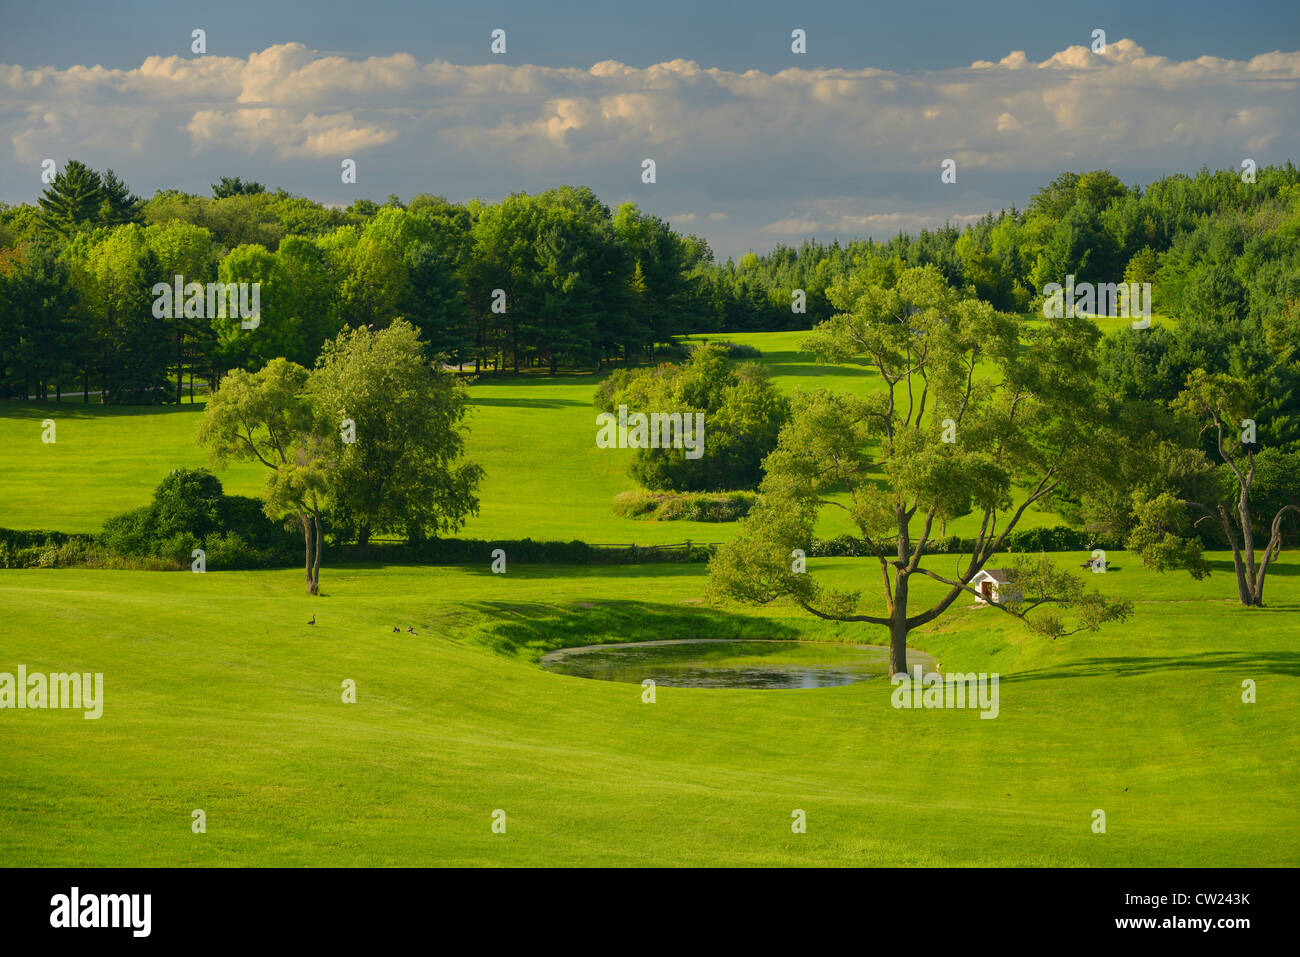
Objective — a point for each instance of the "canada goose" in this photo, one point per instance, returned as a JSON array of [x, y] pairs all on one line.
[[396, 630], [313, 619], [410, 630]]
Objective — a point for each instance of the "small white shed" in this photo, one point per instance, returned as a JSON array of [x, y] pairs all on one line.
[[994, 584]]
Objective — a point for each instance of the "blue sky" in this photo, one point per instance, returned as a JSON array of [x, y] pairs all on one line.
[[733, 36], [754, 144]]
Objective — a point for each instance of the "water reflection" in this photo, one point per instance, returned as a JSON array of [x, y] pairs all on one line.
[[712, 663]]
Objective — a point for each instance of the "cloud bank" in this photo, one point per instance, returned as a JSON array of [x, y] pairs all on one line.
[[742, 157]]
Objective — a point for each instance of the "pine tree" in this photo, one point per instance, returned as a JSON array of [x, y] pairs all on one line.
[[73, 198], [119, 205], [234, 186]]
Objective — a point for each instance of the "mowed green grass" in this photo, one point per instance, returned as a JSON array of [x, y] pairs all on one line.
[[534, 435], [220, 697]]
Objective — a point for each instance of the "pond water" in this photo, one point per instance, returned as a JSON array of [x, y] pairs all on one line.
[[724, 663]]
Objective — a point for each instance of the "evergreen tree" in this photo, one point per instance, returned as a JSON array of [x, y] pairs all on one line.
[[73, 198], [119, 204]]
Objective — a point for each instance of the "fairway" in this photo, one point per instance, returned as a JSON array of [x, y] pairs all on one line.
[[220, 697], [534, 435]]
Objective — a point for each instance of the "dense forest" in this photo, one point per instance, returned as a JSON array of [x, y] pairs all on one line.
[[560, 279]]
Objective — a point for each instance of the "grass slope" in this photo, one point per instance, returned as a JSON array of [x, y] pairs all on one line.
[[220, 697], [533, 434]]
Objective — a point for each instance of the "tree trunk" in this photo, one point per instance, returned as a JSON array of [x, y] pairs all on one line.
[[315, 568], [306, 542], [898, 645], [898, 627]]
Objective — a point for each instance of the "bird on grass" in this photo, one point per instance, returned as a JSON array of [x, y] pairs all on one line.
[[410, 630], [313, 619], [396, 630]]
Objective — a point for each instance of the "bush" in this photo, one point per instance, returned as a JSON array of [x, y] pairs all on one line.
[[684, 506], [189, 510], [231, 550], [128, 533], [743, 414], [673, 352], [735, 350], [46, 549], [462, 551]]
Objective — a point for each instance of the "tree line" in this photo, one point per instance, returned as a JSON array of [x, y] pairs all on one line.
[[548, 280], [559, 279]]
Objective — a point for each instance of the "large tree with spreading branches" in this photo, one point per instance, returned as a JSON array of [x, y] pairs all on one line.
[[968, 418]]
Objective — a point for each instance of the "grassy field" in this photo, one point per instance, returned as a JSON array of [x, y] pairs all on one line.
[[219, 696], [533, 434]]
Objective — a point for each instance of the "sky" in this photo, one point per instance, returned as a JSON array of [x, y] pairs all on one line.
[[753, 143]]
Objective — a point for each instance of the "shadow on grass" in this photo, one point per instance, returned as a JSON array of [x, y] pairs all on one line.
[[538, 378], [612, 571], [531, 403], [1281, 568], [1274, 662], [803, 364], [530, 629], [70, 409]]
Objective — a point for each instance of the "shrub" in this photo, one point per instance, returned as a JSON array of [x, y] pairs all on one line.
[[684, 506], [231, 551], [186, 503], [735, 350], [45, 549], [128, 533], [189, 510], [743, 415], [673, 352]]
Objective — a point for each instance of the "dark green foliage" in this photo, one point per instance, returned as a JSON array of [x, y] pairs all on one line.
[[41, 342], [465, 551], [189, 510], [119, 205], [436, 305], [46, 549], [73, 199], [234, 186]]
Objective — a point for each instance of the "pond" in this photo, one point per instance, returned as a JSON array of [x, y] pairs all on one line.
[[727, 663]]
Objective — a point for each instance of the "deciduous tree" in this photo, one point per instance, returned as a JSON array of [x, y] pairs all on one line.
[[967, 421]]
